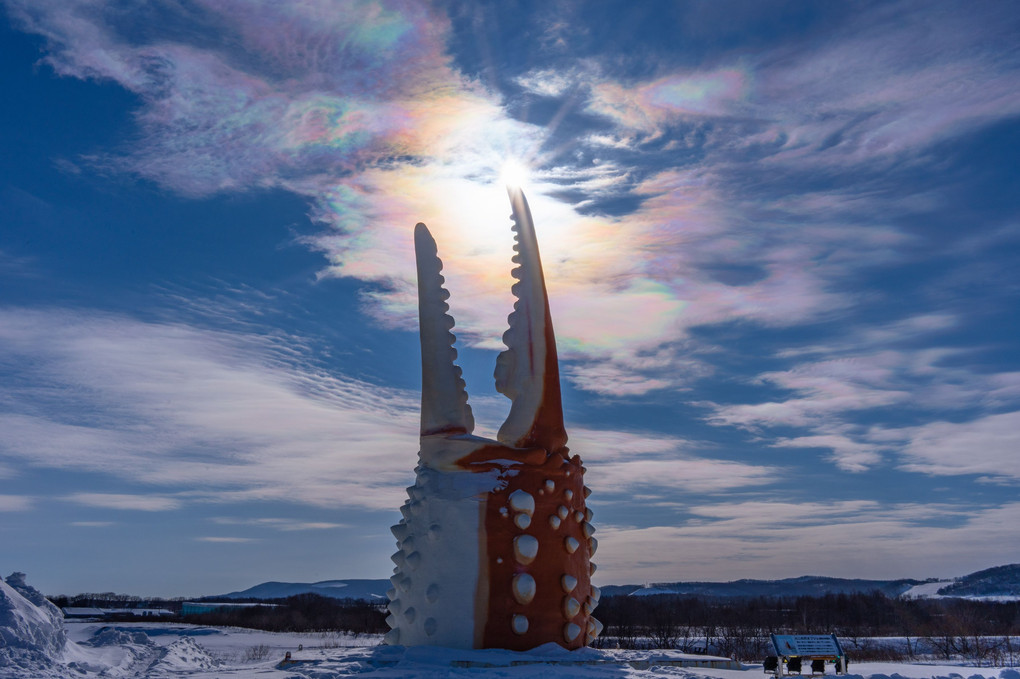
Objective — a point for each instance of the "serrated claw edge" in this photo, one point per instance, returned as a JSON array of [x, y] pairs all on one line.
[[527, 372], [449, 411]]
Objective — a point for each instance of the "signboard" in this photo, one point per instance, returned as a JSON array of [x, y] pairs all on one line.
[[806, 645]]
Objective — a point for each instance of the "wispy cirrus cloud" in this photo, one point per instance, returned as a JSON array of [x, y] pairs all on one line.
[[221, 413], [143, 503], [650, 106], [295, 91], [632, 462], [276, 523], [15, 503], [738, 539], [360, 110], [879, 86], [984, 446], [209, 416], [284, 107], [848, 395]]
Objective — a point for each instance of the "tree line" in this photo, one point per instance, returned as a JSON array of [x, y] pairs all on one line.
[[302, 613], [870, 626], [740, 628]]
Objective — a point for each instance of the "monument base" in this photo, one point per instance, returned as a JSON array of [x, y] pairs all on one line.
[[368, 659]]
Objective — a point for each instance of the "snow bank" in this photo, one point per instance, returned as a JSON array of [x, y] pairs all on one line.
[[32, 635], [183, 655]]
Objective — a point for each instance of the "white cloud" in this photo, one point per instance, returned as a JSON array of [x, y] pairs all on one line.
[[988, 446], [15, 503], [220, 413], [860, 373], [227, 540], [278, 524], [144, 503], [733, 540], [848, 454], [635, 462], [222, 417]]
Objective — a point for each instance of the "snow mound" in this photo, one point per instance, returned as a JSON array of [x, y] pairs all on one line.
[[183, 655], [114, 636], [32, 633]]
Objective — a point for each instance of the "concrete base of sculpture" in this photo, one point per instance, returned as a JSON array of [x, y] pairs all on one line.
[[377, 657]]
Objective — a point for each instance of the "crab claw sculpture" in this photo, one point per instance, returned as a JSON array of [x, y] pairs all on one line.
[[495, 542]]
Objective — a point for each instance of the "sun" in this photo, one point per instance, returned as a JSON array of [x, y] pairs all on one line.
[[514, 173]]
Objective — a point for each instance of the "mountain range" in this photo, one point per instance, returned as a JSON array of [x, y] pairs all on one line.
[[997, 582]]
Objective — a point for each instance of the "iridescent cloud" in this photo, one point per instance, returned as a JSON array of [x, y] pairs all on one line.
[[648, 106], [359, 109]]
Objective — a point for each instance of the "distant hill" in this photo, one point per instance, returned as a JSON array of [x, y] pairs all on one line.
[[367, 590], [1001, 581], [808, 585]]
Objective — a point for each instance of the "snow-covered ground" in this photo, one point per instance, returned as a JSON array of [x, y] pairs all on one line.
[[930, 590], [36, 644], [167, 650]]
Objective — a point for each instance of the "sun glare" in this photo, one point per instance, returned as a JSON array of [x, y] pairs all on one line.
[[514, 173]]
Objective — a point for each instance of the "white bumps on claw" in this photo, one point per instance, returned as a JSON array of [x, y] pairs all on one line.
[[579, 516], [554, 521], [571, 607], [524, 588], [392, 637], [400, 530], [596, 593], [568, 582], [414, 560], [525, 549], [593, 545], [519, 623], [523, 504], [568, 495], [562, 512], [570, 631], [587, 529], [521, 501], [571, 544], [550, 486]]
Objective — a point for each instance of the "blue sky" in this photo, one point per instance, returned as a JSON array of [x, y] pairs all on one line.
[[780, 239]]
